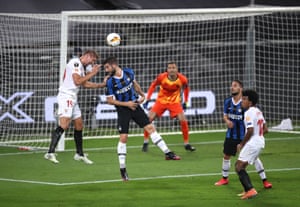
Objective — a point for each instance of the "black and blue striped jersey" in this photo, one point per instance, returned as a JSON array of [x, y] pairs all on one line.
[[235, 114], [122, 88]]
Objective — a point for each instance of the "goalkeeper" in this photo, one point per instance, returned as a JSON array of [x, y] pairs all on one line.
[[170, 83]]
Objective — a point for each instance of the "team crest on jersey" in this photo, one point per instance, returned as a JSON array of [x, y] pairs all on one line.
[[120, 128], [248, 118]]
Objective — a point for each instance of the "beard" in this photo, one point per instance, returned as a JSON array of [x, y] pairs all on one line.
[[112, 73], [234, 93]]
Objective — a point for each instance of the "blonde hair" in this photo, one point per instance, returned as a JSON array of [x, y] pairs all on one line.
[[92, 53]]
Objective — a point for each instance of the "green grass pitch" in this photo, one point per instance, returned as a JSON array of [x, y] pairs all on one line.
[[27, 179]]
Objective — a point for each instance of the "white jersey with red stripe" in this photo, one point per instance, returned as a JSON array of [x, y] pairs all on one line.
[[253, 117], [68, 86]]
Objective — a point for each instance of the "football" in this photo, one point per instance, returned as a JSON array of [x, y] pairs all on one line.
[[113, 39]]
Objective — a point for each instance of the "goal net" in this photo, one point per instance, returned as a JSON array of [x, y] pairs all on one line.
[[212, 47]]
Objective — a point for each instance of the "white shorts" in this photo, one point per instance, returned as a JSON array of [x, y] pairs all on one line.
[[68, 106], [249, 153]]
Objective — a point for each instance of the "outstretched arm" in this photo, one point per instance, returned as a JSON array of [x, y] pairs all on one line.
[[78, 80], [151, 89], [186, 92], [89, 84]]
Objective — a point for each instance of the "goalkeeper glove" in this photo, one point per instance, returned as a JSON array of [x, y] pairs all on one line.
[[145, 105], [184, 105]]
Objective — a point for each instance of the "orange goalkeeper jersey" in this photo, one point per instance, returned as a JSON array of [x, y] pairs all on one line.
[[169, 91]]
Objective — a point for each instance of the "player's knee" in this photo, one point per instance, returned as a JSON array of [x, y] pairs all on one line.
[[149, 128], [78, 124], [227, 157], [239, 165]]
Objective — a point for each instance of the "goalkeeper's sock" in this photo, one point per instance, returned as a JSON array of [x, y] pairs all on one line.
[[146, 137], [56, 134], [78, 142], [146, 134], [185, 131]]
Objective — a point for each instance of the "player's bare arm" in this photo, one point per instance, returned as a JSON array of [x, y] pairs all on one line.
[[247, 137], [139, 90], [265, 128], [79, 80], [89, 84], [227, 121]]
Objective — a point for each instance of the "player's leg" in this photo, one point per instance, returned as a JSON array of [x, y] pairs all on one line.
[[122, 152], [124, 117], [79, 155], [226, 164], [229, 149], [247, 155], [142, 120], [160, 143], [56, 134], [249, 190], [156, 111], [185, 131], [78, 126], [152, 116], [261, 171], [55, 137], [65, 110]]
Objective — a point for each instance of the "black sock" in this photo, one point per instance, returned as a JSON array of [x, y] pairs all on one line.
[[245, 180], [78, 142], [56, 134]]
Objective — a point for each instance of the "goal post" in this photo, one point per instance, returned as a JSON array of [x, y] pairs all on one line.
[[212, 47]]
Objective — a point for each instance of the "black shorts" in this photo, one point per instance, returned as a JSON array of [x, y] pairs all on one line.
[[230, 146], [125, 114]]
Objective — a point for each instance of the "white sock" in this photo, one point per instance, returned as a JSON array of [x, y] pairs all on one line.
[[158, 141], [225, 167], [260, 168], [122, 151]]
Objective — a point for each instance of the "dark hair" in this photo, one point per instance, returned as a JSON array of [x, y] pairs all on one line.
[[110, 60], [252, 96], [239, 82], [171, 62]]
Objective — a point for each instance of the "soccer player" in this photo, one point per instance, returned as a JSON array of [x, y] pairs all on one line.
[[233, 117], [68, 108], [253, 141], [124, 92], [171, 83]]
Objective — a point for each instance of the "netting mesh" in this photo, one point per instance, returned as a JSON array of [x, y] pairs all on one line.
[[260, 49]]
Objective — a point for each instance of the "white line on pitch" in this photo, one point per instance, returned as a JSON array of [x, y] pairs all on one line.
[[134, 147], [135, 179]]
